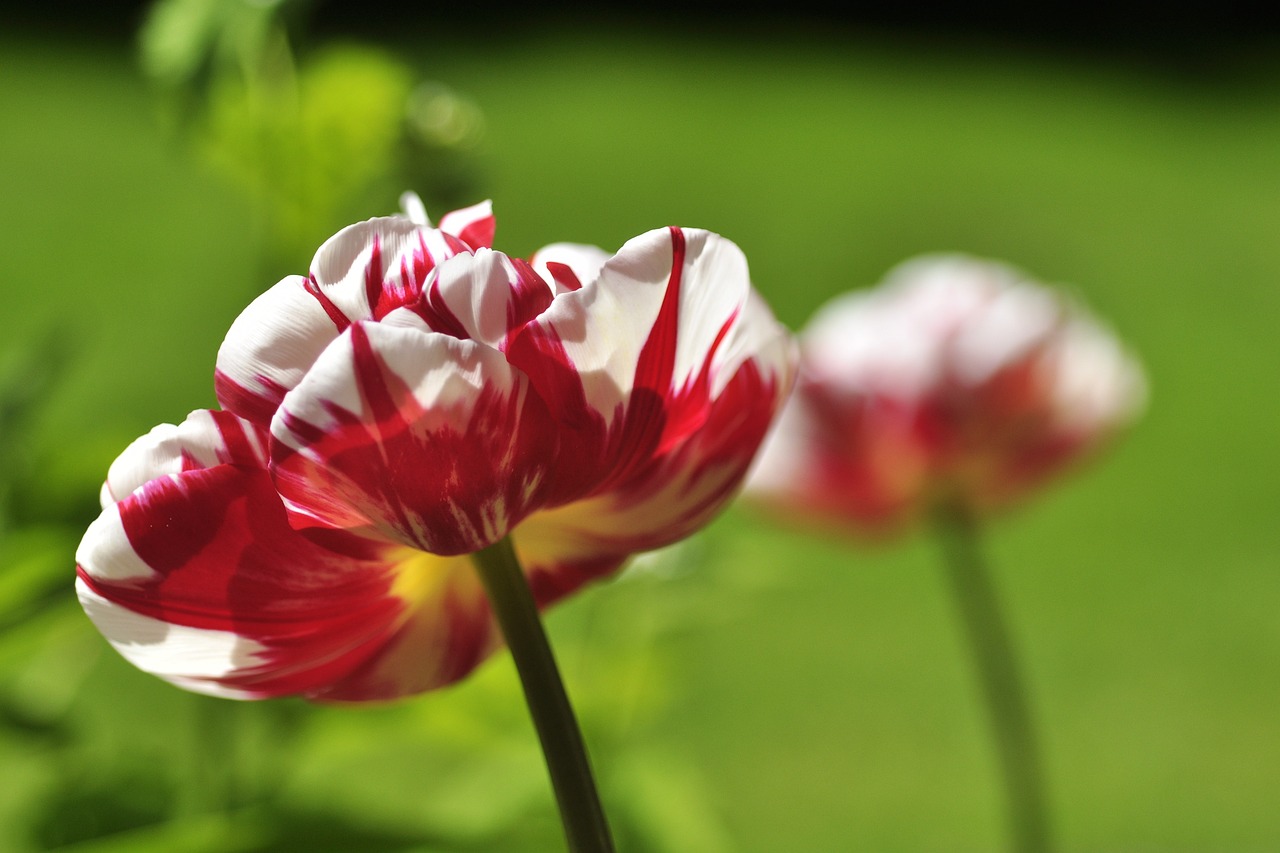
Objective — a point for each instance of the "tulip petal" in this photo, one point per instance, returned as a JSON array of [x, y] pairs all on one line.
[[472, 225], [373, 267], [412, 436], [483, 297], [365, 270], [674, 492], [197, 577], [446, 631], [203, 440], [269, 348], [713, 370], [651, 319], [629, 362], [569, 265]]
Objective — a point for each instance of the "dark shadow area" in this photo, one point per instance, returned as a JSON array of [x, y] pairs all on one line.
[[1193, 38]]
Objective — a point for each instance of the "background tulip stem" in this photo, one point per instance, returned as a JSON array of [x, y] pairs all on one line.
[[997, 668], [585, 827]]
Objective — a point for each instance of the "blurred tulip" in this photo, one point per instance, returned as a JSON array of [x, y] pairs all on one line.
[[957, 380], [414, 400]]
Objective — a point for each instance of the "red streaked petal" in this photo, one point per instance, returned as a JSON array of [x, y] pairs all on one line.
[[649, 321], [569, 265], [835, 458], [373, 267], [413, 436], [473, 225], [199, 579], [675, 491], [364, 271], [204, 439], [269, 348], [483, 297], [557, 568], [630, 361], [256, 608]]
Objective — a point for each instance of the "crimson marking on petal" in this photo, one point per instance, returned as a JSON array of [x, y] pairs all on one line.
[[423, 261], [372, 382], [373, 277], [457, 246], [550, 585], [470, 639], [414, 269], [658, 357], [238, 446], [335, 313], [708, 465], [530, 296], [689, 409], [646, 410], [442, 658], [564, 275], [423, 477], [225, 559], [437, 314], [478, 234], [307, 433], [258, 407], [385, 415]]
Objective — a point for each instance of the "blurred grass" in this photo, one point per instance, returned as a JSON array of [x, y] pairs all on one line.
[[821, 690]]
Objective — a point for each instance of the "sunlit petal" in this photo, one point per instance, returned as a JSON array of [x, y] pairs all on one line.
[[203, 440], [472, 225], [414, 436], [569, 265], [484, 297], [196, 576]]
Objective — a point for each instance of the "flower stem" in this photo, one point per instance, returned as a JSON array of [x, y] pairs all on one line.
[[995, 661], [585, 828]]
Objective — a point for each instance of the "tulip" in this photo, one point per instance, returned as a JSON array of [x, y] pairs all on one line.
[[951, 391], [956, 381], [420, 406]]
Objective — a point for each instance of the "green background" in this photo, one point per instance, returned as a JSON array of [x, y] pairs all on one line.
[[757, 689]]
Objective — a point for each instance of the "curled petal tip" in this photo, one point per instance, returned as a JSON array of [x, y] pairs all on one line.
[[411, 204]]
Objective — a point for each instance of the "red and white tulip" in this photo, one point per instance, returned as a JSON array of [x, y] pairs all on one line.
[[955, 380], [414, 399]]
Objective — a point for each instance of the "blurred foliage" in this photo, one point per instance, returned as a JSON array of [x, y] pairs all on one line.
[[317, 141], [760, 691]]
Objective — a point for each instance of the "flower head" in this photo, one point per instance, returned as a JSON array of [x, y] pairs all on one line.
[[414, 399], [956, 379]]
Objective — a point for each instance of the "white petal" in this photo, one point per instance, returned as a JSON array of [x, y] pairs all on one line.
[[1008, 327], [604, 327], [342, 264], [414, 209], [104, 551], [1097, 385], [204, 439], [270, 347], [483, 292], [474, 224], [178, 653], [583, 261]]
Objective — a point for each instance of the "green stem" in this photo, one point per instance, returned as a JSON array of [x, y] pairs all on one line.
[[585, 828], [995, 661]]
